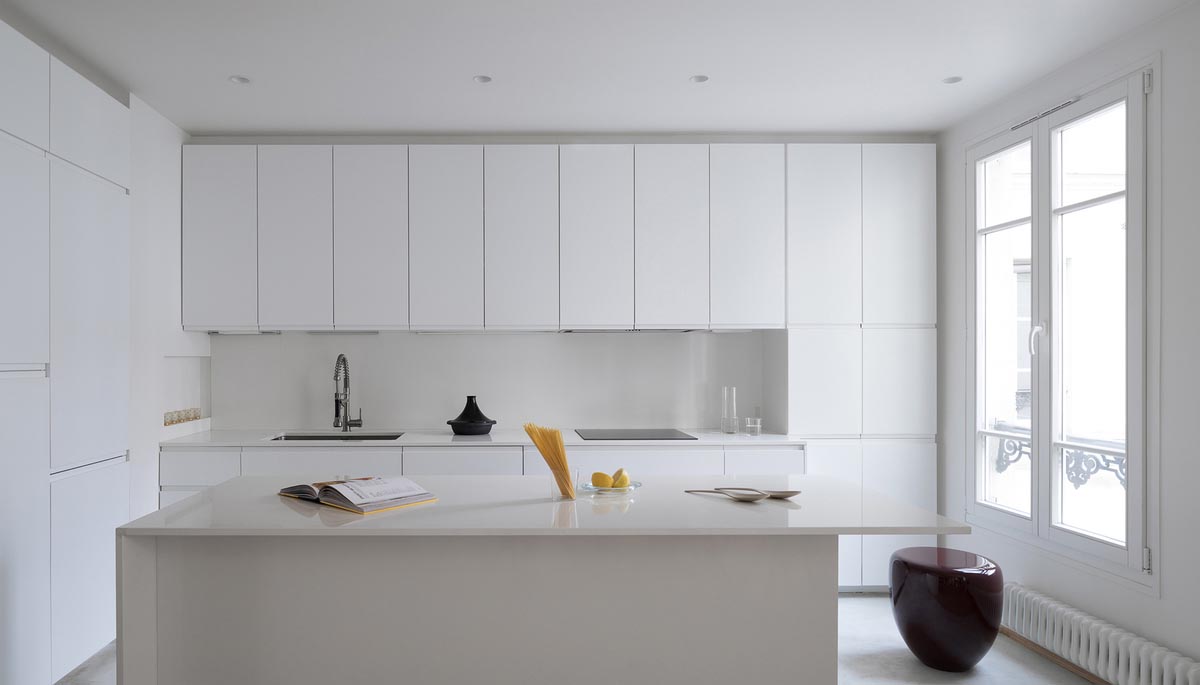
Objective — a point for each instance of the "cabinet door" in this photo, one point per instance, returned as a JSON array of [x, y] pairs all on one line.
[[825, 381], [370, 237], [322, 462], [198, 466], [639, 461], [168, 497], [25, 259], [671, 236], [446, 236], [87, 126], [747, 237], [899, 381], [596, 230], [295, 237], [520, 224], [462, 461], [905, 471], [86, 507], [89, 318], [841, 459], [751, 461], [899, 263], [824, 234], [220, 237], [25, 73], [25, 527]]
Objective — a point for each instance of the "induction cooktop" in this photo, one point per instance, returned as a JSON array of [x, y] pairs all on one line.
[[633, 434]]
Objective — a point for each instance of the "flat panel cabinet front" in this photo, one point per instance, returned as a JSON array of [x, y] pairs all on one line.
[[89, 318], [596, 233], [824, 233], [323, 462], [220, 237], [295, 237], [520, 237], [841, 459], [905, 471], [198, 467], [25, 257], [825, 377], [462, 461], [446, 236], [671, 236], [764, 460], [748, 258], [86, 507], [660, 461], [370, 237], [899, 262], [899, 381], [87, 126], [25, 73]]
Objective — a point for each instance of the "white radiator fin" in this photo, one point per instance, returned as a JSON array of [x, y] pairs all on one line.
[[1116, 655]]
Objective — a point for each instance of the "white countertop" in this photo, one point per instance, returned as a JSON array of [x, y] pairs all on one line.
[[445, 438], [521, 505]]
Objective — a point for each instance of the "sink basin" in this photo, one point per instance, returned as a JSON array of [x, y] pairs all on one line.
[[342, 437]]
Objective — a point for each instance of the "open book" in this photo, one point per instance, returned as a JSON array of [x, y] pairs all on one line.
[[363, 495]]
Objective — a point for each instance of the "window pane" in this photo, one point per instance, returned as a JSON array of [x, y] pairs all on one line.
[[1092, 156], [1092, 324], [1092, 493], [1006, 186], [1006, 320], [1007, 473]]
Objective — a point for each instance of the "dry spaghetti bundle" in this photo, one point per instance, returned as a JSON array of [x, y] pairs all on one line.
[[550, 443]]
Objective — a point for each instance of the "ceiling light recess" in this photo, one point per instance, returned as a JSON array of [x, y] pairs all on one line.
[[951, 80], [698, 78], [482, 78], [240, 80]]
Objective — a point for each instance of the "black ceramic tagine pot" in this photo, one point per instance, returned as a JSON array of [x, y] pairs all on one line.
[[471, 421]]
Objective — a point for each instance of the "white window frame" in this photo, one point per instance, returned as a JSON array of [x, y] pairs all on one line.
[[1132, 562]]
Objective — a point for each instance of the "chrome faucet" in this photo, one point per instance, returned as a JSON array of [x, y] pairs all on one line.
[[341, 400]]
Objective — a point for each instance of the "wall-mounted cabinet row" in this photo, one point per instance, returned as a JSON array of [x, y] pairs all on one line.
[[552, 237]]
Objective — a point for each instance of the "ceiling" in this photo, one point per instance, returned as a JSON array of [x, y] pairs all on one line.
[[395, 66]]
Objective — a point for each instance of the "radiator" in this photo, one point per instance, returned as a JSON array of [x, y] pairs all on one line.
[[1116, 655]]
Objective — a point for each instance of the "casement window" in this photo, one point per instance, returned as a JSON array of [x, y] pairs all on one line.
[[1057, 293]]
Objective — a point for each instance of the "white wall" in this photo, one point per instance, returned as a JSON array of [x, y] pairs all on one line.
[[1173, 618], [406, 380], [169, 369]]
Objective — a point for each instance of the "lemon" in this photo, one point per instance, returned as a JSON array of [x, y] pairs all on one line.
[[602, 480], [620, 479]]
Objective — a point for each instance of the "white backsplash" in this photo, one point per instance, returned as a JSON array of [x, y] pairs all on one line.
[[408, 380]]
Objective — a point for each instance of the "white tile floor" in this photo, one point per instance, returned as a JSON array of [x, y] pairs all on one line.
[[870, 653]]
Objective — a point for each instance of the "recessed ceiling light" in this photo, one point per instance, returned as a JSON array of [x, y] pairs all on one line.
[[239, 79], [483, 78], [698, 78], [951, 80]]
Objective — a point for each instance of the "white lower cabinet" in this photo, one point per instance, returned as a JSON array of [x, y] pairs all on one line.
[[639, 461], [167, 497], [906, 471], [462, 461], [841, 459], [322, 462], [86, 507], [750, 461]]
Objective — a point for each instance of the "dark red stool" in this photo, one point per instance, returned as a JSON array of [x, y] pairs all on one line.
[[947, 605]]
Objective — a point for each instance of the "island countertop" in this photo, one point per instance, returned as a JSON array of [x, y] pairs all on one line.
[[523, 506]]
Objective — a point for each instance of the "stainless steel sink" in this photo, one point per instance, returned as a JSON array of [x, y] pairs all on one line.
[[341, 437]]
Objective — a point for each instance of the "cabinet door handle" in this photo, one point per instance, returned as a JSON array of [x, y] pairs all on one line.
[[1034, 333]]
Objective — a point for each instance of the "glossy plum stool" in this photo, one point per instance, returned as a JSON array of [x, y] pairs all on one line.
[[947, 605]]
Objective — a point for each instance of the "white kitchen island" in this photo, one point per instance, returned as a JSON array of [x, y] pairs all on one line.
[[495, 583]]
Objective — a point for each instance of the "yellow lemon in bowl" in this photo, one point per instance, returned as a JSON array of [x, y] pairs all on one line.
[[620, 479], [602, 480]]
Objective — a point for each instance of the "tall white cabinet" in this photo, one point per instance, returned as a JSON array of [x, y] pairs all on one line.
[[25, 257]]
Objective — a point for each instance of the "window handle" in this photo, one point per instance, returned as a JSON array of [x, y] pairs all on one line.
[[1034, 333]]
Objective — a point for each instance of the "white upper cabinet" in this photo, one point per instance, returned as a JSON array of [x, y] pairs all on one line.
[[596, 233], [370, 237], [824, 234], [899, 381], [25, 73], [747, 237], [87, 126], [89, 318], [899, 234], [825, 381], [295, 237], [220, 237], [520, 228], [446, 236], [25, 257], [671, 236]]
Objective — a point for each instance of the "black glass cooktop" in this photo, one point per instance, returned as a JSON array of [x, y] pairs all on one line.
[[633, 434]]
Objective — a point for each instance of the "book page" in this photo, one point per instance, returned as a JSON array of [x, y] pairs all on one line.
[[373, 490]]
